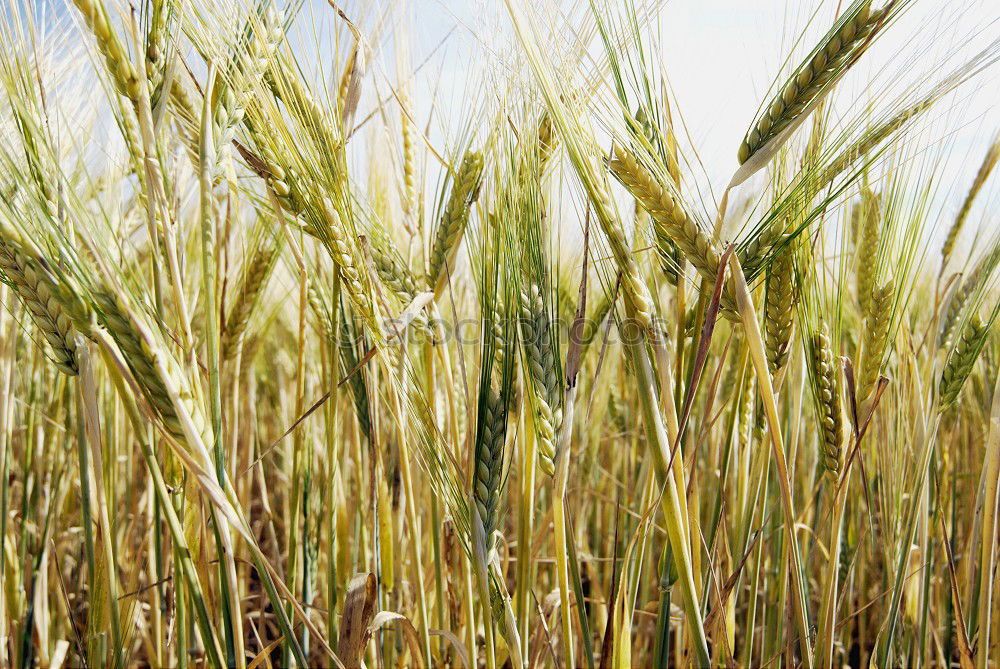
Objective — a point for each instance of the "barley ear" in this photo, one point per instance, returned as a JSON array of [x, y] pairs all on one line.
[[875, 337], [448, 237], [963, 357], [813, 78], [828, 399], [779, 310], [56, 312], [123, 74], [544, 375], [869, 240], [671, 220], [989, 162]]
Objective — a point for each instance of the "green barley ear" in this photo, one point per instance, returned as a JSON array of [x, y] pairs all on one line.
[[489, 460], [989, 162], [350, 340], [115, 319], [56, 312], [869, 241], [814, 77], [448, 236], [775, 231], [545, 374], [495, 391], [962, 359], [826, 387]]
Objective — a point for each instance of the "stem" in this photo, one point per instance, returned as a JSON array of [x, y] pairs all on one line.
[[988, 552], [757, 355], [673, 516]]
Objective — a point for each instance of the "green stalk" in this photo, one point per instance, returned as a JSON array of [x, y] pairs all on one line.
[[525, 526], [333, 460], [298, 448], [759, 358], [559, 539], [430, 391], [411, 509], [88, 403], [235, 654], [988, 551], [189, 581], [926, 439], [828, 606], [673, 517]]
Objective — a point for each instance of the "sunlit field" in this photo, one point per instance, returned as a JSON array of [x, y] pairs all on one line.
[[326, 342]]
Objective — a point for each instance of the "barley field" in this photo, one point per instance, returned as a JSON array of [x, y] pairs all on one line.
[[313, 356]]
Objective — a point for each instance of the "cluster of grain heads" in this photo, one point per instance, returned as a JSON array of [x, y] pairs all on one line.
[[814, 77], [600, 494], [465, 185]]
